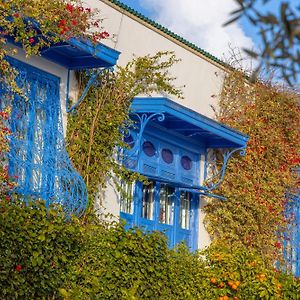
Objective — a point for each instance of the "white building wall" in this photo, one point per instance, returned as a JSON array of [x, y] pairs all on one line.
[[199, 77]]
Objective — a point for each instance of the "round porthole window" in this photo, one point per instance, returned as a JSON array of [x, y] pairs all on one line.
[[167, 156], [186, 162], [128, 139], [148, 148]]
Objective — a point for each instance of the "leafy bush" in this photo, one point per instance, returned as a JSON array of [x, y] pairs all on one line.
[[117, 264], [134, 265], [237, 273], [36, 250], [45, 256]]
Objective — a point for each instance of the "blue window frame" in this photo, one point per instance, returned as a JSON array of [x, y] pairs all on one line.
[[34, 124], [164, 207], [147, 208], [37, 157], [291, 245]]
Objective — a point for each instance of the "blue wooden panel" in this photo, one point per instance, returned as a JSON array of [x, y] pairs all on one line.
[[183, 236], [129, 219], [168, 231], [155, 165]]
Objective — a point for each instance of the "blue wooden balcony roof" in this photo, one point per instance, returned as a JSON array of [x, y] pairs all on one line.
[[77, 55], [189, 123]]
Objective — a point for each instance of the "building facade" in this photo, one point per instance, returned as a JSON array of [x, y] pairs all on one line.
[[173, 137], [170, 144]]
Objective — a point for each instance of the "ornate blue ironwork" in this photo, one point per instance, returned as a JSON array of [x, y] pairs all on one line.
[[38, 159], [219, 175], [131, 156]]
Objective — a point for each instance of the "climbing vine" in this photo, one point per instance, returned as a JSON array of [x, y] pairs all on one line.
[[96, 129], [256, 184]]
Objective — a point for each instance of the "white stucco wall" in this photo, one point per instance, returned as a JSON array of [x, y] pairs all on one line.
[[198, 77]]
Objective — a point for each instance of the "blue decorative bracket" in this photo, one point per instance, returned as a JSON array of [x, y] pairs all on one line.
[[94, 75], [143, 120], [221, 173]]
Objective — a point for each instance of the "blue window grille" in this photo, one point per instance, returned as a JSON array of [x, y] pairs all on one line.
[[292, 235], [38, 159]]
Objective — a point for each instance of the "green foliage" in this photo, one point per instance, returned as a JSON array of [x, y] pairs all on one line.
[[36, 24], [45, 256], [234, 272], [255, 185], [36, 250], [96, 129], [120, 264]]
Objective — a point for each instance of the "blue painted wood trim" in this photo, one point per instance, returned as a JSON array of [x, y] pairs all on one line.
[[100, 51], [175, 139], [89, 55], [166, 106], [155, 225]]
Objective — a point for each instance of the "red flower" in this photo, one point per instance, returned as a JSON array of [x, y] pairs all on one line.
[[88, 10], [7, 198], [4, 115], [64, 30], [80, 8], [295, 160], [31, 40], [103, 35], [5, 129], [277, 245], [70, 7], [18, 268], [62, 23], [16, 15], [74, 22]]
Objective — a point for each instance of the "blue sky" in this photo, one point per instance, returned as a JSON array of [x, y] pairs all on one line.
[[201, 22]]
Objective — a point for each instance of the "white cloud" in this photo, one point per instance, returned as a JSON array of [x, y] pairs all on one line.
[[200, 22]]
